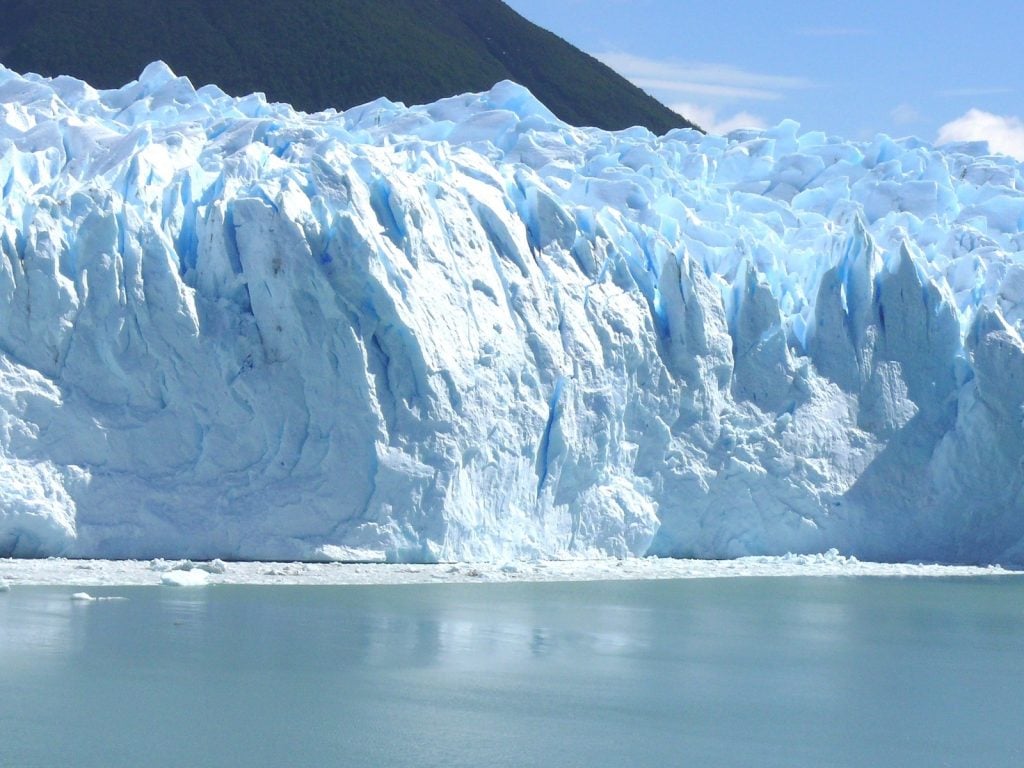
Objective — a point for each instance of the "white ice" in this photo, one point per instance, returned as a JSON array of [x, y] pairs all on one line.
[[194, 578], [85, 597], [115, 573], [467, 331]]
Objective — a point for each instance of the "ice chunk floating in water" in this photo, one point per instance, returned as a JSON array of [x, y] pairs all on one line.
[[467, 330], [195, 578]]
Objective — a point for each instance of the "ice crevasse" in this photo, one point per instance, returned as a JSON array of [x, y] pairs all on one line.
[[467, 330]]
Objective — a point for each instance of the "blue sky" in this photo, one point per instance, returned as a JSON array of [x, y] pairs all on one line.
[[943, 72]]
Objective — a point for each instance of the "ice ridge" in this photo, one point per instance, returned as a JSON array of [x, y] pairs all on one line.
[[467, 331]]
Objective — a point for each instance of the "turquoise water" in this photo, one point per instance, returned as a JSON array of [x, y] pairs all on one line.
[[744, 672]]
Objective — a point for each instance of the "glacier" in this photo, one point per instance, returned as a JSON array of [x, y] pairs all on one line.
[[469, 331]]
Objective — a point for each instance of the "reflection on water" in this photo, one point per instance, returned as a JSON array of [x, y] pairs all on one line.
[[742, 672], [36, 632]]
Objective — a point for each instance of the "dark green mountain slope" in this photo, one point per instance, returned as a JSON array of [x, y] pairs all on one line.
[[324, 53]]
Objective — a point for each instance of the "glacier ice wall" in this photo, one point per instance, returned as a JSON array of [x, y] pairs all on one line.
[[467, 330]]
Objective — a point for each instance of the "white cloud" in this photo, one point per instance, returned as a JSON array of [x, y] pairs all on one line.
[[709, 119], [904, 114], [671, 80], [1003, 134]]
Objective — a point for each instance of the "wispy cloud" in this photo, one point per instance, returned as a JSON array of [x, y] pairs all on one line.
[[713, 121], [996, 90], [731, 92], [905, 114], [1004, 134], [833, 32], [713, 95], [702, 79]]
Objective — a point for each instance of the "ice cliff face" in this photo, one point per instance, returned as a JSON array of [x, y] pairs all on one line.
[[467, 330]]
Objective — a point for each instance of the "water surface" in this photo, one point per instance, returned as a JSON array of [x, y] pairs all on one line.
[[720, 672]]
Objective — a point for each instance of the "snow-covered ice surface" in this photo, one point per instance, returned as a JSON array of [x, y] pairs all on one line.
[[467, 331], [112, 573]]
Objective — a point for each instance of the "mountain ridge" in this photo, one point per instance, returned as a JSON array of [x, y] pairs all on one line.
[[317, 54]]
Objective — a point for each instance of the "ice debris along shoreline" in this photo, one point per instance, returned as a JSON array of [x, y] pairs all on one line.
[[85, 597], [118, 573], [467, 331]]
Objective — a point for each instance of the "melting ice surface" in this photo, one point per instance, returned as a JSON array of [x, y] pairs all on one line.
[[466, 330]]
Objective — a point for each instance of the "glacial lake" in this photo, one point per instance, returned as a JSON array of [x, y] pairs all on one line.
[[704, 672]]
